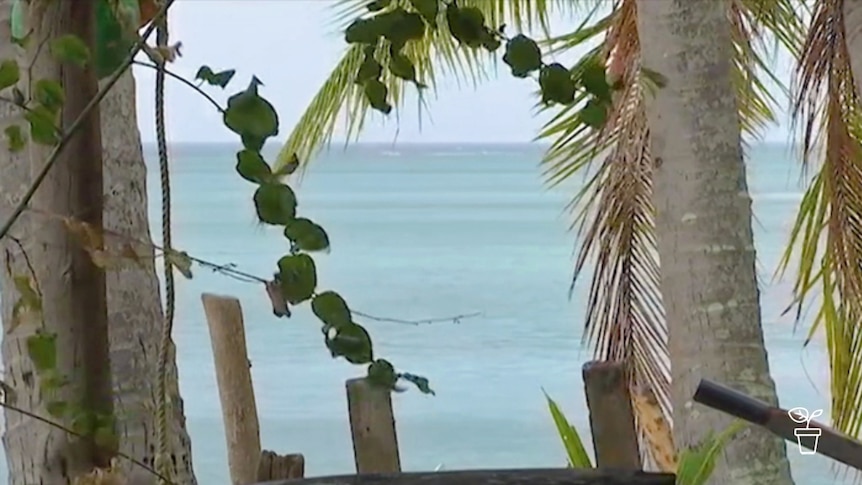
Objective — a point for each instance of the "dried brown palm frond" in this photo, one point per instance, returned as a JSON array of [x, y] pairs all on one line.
[[614, 218], [827, 234], [614, 212]]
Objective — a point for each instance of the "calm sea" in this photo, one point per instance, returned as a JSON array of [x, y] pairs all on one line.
[[429, 231]]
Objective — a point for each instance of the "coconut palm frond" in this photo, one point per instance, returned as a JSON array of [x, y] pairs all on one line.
[[614, 212], [613, 215], [782, 19], [827, 233], [436, 55], [754, 98]]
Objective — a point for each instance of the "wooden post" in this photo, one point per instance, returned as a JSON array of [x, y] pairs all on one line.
[[239, 411], [569, 476], [273, 466], [372, 424], [612, 422]]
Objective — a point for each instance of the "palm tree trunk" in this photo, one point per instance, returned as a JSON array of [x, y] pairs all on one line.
[[75, 371], [134, 301], [134, 304], [853, 31], [703, 224]]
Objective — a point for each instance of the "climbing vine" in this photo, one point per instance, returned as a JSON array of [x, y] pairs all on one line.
[[250, 116], [42, 103], [392, 24]]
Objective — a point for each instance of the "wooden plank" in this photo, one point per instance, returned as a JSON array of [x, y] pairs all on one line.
[[236, 393], [273, 466], [496, 477], [830, 442], [615, 437], [372, 424]]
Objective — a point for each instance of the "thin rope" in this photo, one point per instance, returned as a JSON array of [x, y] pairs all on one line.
[[163, 462]]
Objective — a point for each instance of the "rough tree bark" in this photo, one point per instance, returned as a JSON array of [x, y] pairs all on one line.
[[72, 286], [703, 224], [134, 303]]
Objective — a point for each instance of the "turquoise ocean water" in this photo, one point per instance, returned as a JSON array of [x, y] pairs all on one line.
[[426, 231]]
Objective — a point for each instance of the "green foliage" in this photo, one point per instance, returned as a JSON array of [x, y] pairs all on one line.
[[394, 24], [70, 48], [524, 56], [695, 464], [251, 166], [10, 73], [220, 79], [275, 203], [46, 98], [306, 235], [15, 138], [43, 128], [253, 118], [331, 309], [42, 349], [575, 451], [297, 276], [49, 93]]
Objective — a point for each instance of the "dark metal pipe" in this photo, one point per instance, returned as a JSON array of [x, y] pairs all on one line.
[[828, 441]]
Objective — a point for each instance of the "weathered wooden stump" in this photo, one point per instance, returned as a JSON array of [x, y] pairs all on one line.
[[615, 438], [495, 477], [372, 425], [273, 466]]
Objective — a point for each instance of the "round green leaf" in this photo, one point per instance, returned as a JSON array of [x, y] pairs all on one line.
[[400, 26], [70, 48], [364, 31], [250, 115], [594, 114], [331, 309], [382, 373], [10, 73], [467, 25], [15, 138], [43, 130], [595, 81], [401, 66], [49, 93], [251, 166], [297, 276], [376, 93], [306, 235], [428, 9], [275, 204], [557, 84], [351, 342], [369, 69], [522, 55], [42, 349]]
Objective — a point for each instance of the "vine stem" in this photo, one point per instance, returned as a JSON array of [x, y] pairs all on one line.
[[182, 80], [72, 432], [79, 121]]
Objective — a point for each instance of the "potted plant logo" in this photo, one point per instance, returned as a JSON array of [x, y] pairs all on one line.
[[806, 437]]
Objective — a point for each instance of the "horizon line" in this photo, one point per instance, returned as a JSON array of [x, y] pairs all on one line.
[[342, 144]]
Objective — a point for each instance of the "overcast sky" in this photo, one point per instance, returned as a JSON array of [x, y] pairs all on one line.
[[292, 45]]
